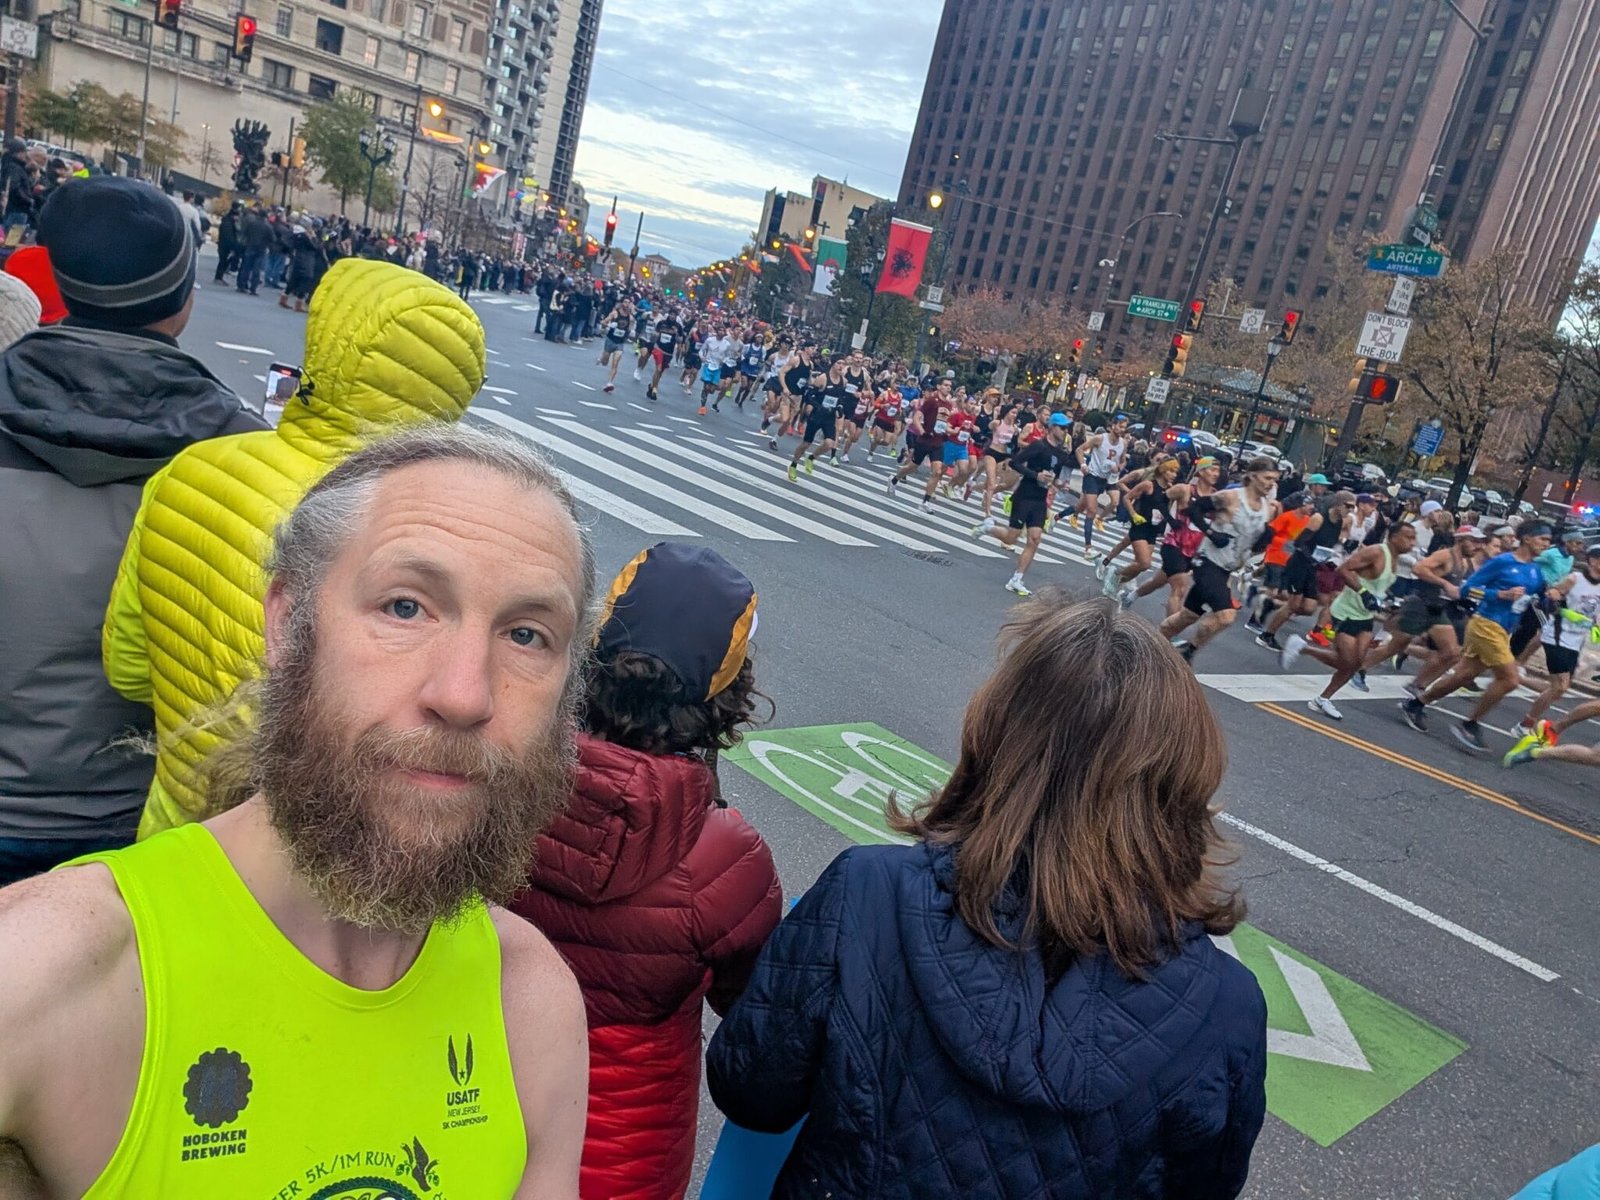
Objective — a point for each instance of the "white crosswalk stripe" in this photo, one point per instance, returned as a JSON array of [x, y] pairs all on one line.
[[718, 481], [601, 501], [733, 495]]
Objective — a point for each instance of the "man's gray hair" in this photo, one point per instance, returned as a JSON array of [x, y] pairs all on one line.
[[311, 537]]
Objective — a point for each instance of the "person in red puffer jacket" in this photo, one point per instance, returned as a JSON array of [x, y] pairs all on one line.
[[657, 895]]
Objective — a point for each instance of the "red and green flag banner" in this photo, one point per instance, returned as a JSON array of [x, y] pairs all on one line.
[[904, 258]]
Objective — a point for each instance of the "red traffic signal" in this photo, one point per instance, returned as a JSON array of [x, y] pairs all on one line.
[[167, 13], [1291, 322], [1075, 356], [244, 37], [611, 227], [1178, 357], [1197, 310]]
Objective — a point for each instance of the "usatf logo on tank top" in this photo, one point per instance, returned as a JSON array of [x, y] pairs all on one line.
[[217, 1093]]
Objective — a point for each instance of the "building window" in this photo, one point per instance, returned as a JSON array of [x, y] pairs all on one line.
[[418, 27], [413, 64], [373, 48], [284, 25], [377, 9], [452, 79], [458, 34], [184, 44], [330, 37], [277, 75], [319, 88], [135, 29]]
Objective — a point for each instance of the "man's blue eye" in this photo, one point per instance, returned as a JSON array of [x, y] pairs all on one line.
[[526, 637], [405, 609]]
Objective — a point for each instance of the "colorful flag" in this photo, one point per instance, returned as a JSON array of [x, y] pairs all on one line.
[[484, 176], [830, 261], [800, 257], [904, 258]]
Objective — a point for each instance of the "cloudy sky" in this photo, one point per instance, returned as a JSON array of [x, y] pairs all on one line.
[[695, 110]]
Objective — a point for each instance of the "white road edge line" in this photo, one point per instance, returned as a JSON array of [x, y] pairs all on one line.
[[1543, 974]]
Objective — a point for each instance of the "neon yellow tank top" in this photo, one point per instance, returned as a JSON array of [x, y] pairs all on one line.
[[265, 1078]]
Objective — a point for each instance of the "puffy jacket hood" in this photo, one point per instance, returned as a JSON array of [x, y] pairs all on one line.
[[100, 406], [632, 818], [386, 348], [1079, 1046]]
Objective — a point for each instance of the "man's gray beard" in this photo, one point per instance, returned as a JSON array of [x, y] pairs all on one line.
[[327, 788]]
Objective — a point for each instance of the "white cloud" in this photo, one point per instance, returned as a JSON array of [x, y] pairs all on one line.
[[695, 111]]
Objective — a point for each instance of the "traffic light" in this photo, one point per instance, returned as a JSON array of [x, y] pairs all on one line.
[[1291, 322], [1075, 355], [611, 228], [1197, 310], [167, 13], [1375, 386], [1178, 356], [244, 37], [297, 153]]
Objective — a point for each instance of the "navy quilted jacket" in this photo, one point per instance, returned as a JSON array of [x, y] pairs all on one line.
[[928, 1063]]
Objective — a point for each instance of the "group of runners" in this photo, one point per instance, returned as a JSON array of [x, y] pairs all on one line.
[[1377, 581]]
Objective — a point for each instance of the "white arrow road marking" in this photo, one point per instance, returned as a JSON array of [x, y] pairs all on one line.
[[1330, 1040], [499, 391], [596, 404], [242, 349], [586, 387], [557, 412], [640, 407], [535, 366], [501, 400]]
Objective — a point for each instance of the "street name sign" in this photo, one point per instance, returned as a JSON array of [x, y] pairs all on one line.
[[1252, 319], [1383, 337], [1337, 1053], [1428, 440], [1157, 389], [1153, 307], [1401, 295], [1097, 322], [19, 37], [935, 294], [931, 305], [1400, 259]]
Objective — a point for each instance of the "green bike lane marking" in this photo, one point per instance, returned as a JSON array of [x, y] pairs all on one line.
[[1338, 1053]]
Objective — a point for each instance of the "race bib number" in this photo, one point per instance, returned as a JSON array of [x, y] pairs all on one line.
[[892, 411], [852, 388], [666, 339], [830, 403], [1322, 554], [941, 426], [963, 436]]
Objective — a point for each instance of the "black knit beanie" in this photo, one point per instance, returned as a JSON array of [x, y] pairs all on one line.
[[122, 252]]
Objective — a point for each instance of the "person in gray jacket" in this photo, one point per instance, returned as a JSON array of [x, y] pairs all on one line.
[[89, 410]]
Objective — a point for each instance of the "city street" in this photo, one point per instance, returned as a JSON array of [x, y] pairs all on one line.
[[1421, 921]]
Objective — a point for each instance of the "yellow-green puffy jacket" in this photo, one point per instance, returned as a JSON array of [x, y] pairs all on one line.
[[386, 348]]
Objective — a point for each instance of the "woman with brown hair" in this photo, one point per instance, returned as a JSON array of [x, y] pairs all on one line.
[[1024, 1002]]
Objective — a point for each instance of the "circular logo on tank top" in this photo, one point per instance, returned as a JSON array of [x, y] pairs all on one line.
[[218, 1088]]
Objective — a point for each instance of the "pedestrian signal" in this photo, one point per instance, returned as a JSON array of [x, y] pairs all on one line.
[[1376, 387]]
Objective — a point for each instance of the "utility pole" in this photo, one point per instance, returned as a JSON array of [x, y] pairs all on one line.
[[633, 255], [144, 105]]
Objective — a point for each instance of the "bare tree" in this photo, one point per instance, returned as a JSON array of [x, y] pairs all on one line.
[[1477, 350]]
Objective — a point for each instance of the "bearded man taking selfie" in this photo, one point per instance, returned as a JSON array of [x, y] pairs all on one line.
[[313, 993]]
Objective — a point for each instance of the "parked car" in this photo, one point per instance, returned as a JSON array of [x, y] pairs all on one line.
[[1204, 440], [1493, 503]]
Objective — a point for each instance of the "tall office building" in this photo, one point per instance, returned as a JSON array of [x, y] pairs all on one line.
[[571, 61], [388, 52], [1046, 112]]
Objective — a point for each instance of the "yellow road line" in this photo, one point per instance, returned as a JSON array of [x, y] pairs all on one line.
[[1455, 781]]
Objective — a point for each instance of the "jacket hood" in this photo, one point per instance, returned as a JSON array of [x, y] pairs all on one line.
[[99, 406], [386, 348], [632, 818], [1078, 1046]]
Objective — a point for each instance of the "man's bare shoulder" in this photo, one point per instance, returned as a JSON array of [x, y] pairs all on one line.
[[532, 968], [62, 930]]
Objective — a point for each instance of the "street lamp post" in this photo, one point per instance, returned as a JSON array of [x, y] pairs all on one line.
[[1249, 116], [1274, 348], [936, 202], [1121, 248], [378, 152], [435, 110]]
